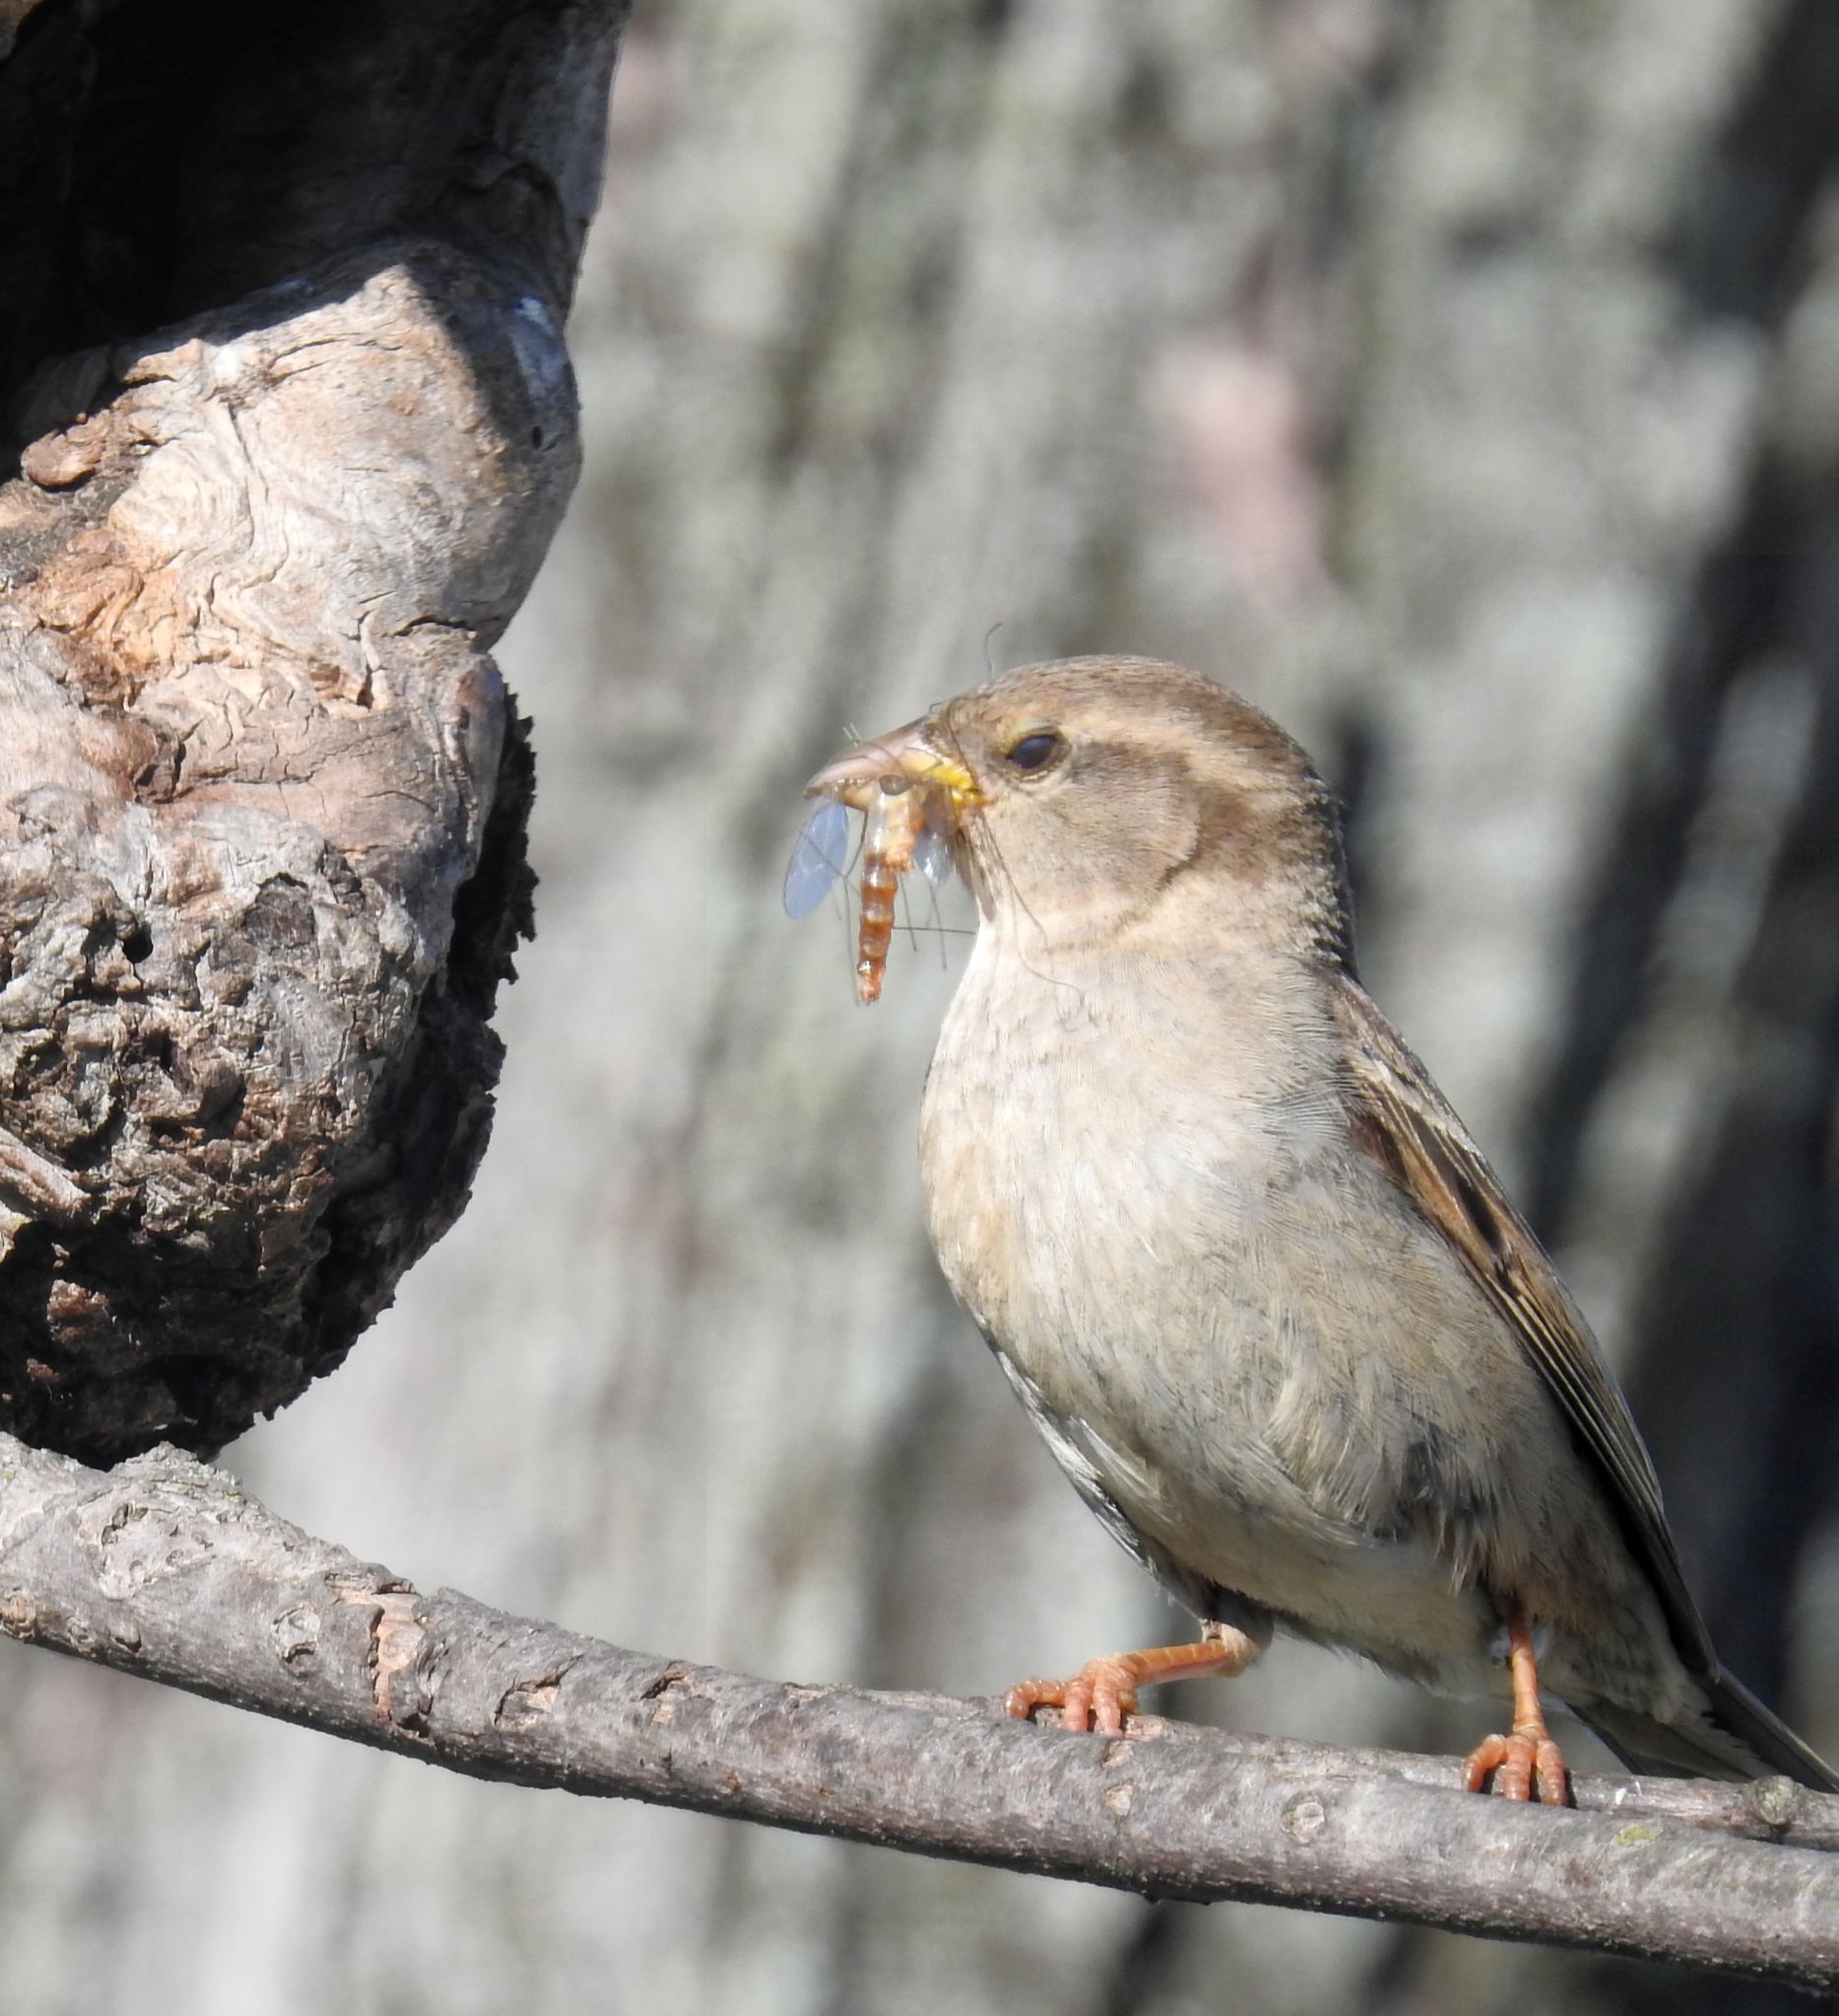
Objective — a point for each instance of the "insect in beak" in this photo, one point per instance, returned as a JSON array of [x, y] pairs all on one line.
[[911, 796]]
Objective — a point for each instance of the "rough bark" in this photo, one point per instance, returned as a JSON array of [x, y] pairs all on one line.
[[164, 1568], [262, 792]]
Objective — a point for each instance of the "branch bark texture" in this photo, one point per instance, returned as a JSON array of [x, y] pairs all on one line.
[[164, 1569], [262, 792]]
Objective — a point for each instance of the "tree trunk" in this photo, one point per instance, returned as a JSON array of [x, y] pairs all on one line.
[[294, 428]]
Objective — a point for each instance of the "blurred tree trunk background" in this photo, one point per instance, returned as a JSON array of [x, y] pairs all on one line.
[[1459, 378]]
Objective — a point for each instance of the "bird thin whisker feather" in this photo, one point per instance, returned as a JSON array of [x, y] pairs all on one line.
[[1004, 881]]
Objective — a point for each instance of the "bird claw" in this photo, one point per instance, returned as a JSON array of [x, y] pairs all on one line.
[[1519, 1763], [1104, 1691], [1097, 1697]]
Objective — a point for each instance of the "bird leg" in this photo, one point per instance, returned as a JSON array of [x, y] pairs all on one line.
[[1104, 1691], [1528, 1756]]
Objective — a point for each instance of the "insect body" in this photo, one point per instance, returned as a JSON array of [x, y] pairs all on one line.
[[894, 820], [906, 826]]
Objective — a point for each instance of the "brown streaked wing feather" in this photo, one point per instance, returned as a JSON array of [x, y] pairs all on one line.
[[1404, 1122]]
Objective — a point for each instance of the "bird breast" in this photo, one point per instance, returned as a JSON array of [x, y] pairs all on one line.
[[1144, 1188]]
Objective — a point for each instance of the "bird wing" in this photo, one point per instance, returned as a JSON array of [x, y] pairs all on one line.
[[1404, 1122]]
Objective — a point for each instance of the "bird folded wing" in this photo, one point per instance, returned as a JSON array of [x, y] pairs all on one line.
[[1403, 1122]]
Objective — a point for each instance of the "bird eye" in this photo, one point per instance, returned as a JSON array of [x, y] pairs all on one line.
[[1033, 753]]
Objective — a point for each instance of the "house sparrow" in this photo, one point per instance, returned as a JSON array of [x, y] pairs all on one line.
[[1242, 1264]]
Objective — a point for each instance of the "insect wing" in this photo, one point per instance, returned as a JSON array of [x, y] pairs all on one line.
[[819, 856], [932, 849]]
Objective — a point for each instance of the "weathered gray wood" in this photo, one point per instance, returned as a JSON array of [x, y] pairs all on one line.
[[262, 792], [166, 1570]]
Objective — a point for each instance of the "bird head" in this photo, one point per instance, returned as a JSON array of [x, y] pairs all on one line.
[[1110, 797]]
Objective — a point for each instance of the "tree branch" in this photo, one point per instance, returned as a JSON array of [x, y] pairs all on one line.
[[164, 1569]]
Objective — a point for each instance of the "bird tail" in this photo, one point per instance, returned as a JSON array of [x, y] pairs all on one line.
[[1737, 1738]]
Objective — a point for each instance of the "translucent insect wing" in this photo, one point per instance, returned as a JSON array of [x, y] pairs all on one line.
[[932, 848], [819, 857]]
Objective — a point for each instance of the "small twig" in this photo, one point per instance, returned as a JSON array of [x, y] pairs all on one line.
[[165, 1570]]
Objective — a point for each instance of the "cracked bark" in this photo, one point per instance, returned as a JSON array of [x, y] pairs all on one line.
[[166, 1570], [293, 424]]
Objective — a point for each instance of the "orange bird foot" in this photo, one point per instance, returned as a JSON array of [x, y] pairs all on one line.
[[1104, 1691], [1528, 1757], [1520, 1762]]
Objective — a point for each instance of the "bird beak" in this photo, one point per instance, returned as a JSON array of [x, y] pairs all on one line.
[[897, 760]]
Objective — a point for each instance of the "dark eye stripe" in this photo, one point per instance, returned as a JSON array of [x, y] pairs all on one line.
[[1034, 751]]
